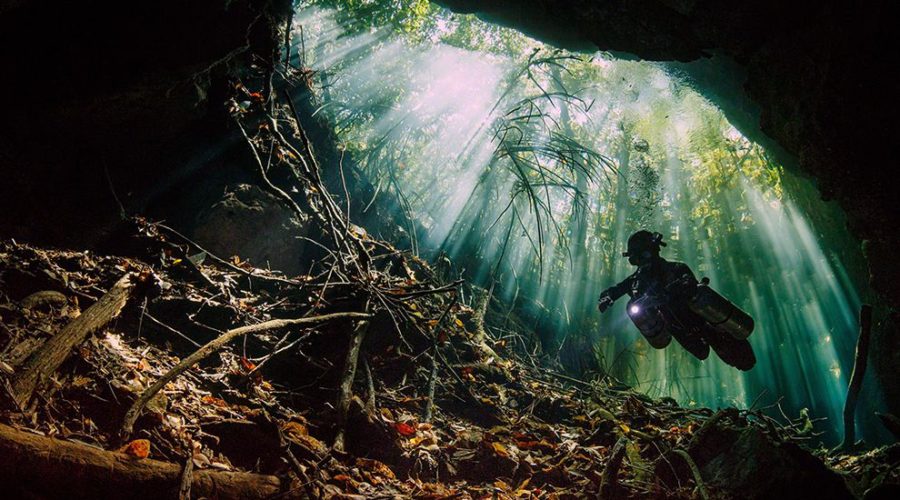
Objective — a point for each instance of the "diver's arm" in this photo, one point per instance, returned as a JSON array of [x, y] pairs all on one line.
[[613, 293]]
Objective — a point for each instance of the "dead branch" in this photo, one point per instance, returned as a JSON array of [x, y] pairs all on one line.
[[609, 479], [346, 392], [56, 350], [452, 287], [860, 361], [42, 467], [432, 380], [187, 475], [213, 346], [370, 388], [695, 471]]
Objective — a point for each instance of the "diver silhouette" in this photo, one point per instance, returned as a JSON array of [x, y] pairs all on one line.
[[667, 301]]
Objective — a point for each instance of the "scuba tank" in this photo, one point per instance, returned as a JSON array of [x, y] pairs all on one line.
[[648, 320], [720, 312]]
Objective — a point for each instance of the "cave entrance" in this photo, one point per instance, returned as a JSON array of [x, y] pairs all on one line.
[[525, 168]]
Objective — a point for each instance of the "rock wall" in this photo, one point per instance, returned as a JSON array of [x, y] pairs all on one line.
[[106, 104]]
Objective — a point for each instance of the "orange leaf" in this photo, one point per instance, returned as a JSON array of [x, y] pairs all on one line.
[[139, 448], [500, 449], [295, 428], [212, 400], [405, 429]]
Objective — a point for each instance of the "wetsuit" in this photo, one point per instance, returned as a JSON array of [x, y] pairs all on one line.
[[654, 277]]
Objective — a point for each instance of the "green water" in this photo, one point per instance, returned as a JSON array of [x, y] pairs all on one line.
[[529, 168]]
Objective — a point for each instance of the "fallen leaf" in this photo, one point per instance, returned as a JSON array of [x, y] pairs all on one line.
[[405, 429], [295, 428], [247, 364], [139, 448], [376, 467], [212, 400]]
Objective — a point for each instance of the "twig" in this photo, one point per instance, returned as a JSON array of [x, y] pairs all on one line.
[[444, 289], [223, 261], [695, 471], [432, 379], [213, 346], [169, 328]]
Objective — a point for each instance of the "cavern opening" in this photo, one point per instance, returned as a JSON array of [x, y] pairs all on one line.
[[355, 249]]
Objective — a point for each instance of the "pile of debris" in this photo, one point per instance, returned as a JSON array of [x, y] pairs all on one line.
[[437, 411]]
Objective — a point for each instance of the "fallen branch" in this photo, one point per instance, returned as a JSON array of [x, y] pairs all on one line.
[[452, 287], [695, 471], [187, 476], [346, 393], [609, 479], [56, 350], [432, 381], [860, 361], [370, 389], [41, 467], [213, 346]]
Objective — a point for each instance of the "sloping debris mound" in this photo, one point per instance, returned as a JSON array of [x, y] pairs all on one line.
[[435, 410]]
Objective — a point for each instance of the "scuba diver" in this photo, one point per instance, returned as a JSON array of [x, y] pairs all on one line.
[[667, 301]]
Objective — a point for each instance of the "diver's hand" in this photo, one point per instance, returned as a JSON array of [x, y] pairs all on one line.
[[605, 302]]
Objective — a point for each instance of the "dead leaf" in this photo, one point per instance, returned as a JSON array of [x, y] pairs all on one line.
[[212, 400], [139, 448], [500, 449], [405, 429]]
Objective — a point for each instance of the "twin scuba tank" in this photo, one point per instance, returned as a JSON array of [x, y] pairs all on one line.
[[705, 302]]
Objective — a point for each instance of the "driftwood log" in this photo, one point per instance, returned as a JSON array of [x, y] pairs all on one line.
[[43, 363], [33, 466]]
